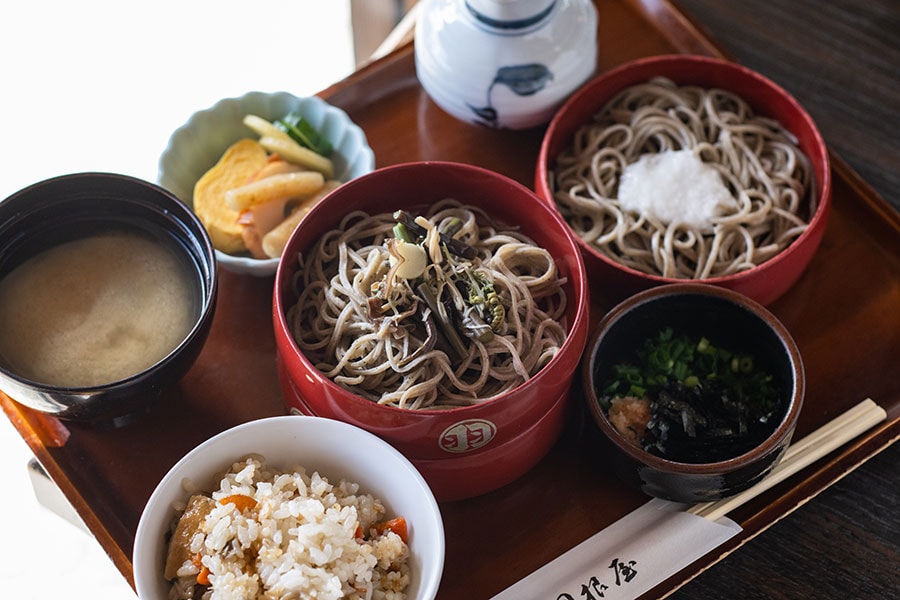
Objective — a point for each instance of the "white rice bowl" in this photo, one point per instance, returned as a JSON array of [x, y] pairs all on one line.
[[313, 483]]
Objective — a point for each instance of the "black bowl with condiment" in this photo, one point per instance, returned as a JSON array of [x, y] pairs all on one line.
[[695, 389], [108, 287]]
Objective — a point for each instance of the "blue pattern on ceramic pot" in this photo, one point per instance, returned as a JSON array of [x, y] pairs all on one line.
[[505, 64], [524, 80]]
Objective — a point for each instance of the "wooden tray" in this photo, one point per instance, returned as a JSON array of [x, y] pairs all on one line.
[[843, 314]]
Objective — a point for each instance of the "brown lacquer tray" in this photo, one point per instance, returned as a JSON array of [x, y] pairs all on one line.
[[844, 317]]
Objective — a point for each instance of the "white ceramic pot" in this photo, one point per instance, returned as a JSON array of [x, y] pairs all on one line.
[[504, 63]]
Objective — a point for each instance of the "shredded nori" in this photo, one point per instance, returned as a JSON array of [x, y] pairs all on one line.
[[707, 403]]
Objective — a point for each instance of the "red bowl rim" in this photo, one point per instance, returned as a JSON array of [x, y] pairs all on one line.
[[665, 61]]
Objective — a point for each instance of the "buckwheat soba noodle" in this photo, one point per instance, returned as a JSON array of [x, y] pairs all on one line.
[[435, 310], [632, 177]]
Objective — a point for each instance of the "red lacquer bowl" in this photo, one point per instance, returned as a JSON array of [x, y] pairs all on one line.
[[461, 452], [767, 281]]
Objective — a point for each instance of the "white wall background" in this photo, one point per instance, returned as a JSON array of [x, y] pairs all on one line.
[[100, 85]]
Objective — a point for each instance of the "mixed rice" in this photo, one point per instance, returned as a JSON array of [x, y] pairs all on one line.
[[265, 534]]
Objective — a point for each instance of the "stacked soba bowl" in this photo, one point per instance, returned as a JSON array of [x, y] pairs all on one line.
[[469, 428]]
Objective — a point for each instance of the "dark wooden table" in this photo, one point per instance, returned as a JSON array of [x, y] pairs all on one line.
[[841, 59]]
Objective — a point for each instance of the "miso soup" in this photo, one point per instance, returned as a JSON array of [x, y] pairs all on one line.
[[97, 309]]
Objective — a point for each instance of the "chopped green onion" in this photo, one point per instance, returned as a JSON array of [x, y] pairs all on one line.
[[703, 346]]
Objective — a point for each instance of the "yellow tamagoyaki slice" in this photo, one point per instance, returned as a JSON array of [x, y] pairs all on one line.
[[240, 162]]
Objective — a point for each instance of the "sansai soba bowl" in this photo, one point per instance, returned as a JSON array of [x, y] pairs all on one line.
[[463, 451], [735, 385], [764, 282], [108, 287]]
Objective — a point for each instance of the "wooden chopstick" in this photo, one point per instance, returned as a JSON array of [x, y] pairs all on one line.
[[400, 34], [801, 454]]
